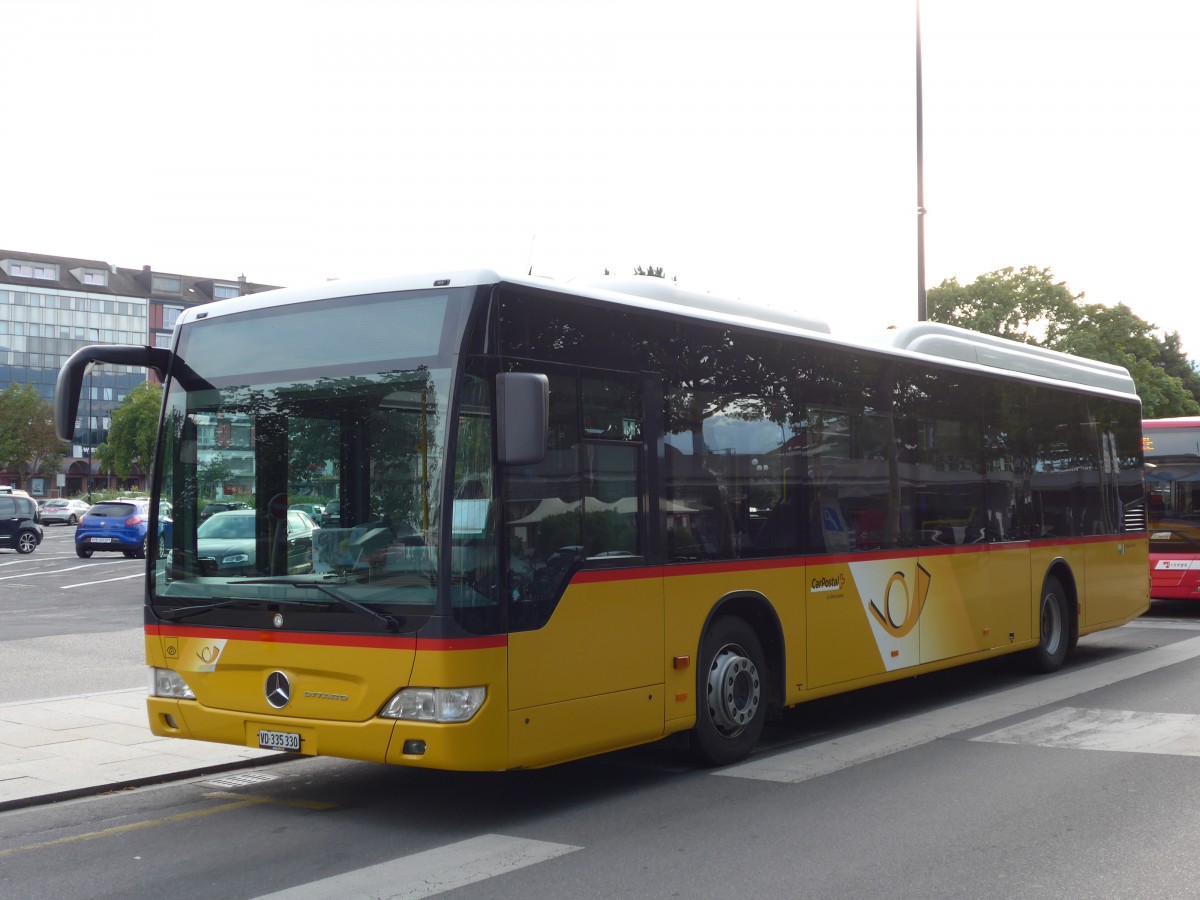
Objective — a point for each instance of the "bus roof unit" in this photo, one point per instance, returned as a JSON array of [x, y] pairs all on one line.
[[951, 342], [653, 288]]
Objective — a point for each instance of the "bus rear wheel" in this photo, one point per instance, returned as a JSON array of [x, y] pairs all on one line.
[[731, 701], [1055, 625]]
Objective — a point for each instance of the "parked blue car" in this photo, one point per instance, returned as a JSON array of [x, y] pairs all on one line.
[[119, 525]]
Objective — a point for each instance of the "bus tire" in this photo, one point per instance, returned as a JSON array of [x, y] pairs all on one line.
[[731, 693], [1055, 627]]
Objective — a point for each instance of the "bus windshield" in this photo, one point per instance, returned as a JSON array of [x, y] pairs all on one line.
[[303, 455], [1173, 488]]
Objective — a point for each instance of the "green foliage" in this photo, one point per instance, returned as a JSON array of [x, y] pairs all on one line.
[[1025, 305], [1173, 361], [1029, 306], [27, 438], [134, 431], [213, 474], [556, 531], [604, 530]]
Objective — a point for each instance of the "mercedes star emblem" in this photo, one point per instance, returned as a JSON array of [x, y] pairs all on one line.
[[279, 691]]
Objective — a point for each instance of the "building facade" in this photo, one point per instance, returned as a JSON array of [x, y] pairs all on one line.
[[50, 306]]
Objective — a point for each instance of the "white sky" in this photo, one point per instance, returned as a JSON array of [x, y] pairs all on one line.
[[758, 149]]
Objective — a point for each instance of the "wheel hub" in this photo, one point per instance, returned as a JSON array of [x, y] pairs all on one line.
[[734, 690]]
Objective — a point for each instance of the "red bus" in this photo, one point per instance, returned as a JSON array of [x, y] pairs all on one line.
[[1172, 457]]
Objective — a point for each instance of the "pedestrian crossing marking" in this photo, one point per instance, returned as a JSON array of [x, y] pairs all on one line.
[[1128, 731], [430, 872]]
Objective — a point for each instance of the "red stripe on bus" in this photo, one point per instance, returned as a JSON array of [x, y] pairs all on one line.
[[370, 641], [599, 576]]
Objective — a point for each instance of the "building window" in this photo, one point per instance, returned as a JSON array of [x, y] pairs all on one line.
[[170, 315], [34, 270], [225, 291], [98, 277], [166, 284]]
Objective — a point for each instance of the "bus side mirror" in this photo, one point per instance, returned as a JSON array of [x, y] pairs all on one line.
[[522, 411], [70, 376]]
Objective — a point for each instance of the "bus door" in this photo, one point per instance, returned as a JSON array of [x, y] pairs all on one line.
[[586, 667], [973, 589]]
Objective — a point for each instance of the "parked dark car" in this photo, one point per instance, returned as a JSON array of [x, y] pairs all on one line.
[[63, 510], [220, 506], [229, 540], [19, 526]]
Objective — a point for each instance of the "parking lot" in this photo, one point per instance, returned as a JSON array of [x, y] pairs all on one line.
[[69, 625]]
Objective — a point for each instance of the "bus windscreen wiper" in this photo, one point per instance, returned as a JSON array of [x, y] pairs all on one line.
[[391, 623], [183, 612]]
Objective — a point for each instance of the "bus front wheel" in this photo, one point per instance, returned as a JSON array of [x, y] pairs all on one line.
[[731, 693], [1055, 639]]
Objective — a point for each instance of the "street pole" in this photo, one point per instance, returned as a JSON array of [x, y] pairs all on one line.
[[91, 434], [921, 297]]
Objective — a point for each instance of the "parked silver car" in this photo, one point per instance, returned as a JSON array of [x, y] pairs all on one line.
[[64, 511]]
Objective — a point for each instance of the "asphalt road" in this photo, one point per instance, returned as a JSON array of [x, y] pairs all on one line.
[[69, 625], [985, 781], [979, 783]]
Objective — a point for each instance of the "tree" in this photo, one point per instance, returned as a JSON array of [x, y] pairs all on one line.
[[1025, 305], [27, 438], [1174, 361], [1116, 335], [1029, 306], [134, 431], [652, 271], [213, 474]]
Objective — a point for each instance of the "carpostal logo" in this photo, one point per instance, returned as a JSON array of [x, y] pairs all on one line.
[[822, 584]]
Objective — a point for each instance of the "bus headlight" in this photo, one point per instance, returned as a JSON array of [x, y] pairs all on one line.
[[168, 683], [435, 704]]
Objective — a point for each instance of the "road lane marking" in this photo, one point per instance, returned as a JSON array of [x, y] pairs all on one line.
[[106, 562], [430, 872], [1128, 731], [314, 805], [1180, 624], [133, 826], [67, 587], [826, 757], [239, 801]]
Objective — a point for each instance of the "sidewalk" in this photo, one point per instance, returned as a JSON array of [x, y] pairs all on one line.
[[73, 746]]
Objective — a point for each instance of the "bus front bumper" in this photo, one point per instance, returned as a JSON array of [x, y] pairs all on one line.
[[480, 745]]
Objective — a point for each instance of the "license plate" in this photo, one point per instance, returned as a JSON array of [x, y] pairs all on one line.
[[101, 540], [279, 740]]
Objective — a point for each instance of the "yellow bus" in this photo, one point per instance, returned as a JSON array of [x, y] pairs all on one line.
[[563, 519]]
